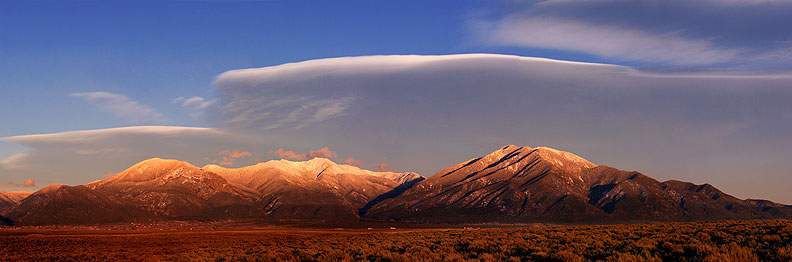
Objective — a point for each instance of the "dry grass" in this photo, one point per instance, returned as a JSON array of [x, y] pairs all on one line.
[[769, 240]]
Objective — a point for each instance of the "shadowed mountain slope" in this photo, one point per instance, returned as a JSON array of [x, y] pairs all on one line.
[[66, 205], [517, 184]]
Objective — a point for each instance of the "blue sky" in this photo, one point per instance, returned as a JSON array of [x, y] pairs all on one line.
[[158, 51], [697, 78]]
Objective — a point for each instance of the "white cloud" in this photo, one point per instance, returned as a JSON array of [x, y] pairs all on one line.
[[722, 33], [606, 41], [198, 107], [122, 107], [15, 161], [89, 136], [194, 103]]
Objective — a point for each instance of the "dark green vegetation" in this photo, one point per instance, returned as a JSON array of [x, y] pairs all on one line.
[[763, 240]]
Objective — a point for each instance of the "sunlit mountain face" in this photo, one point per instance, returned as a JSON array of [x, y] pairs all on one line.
[[161, 190]]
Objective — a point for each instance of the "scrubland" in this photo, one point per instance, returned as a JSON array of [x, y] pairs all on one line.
[[761, 240]]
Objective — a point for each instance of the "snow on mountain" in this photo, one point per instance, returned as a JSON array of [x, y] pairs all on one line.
[[315, 188], [164, 189], [519, 184], [511, 184]]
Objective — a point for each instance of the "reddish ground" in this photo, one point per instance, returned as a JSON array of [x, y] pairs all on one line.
[[766, 240]]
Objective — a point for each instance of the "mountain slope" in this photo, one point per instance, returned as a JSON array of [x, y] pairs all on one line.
[[176, 189], [516, 184], [155, 189], [315, 189], [60, 204], [160, 189]]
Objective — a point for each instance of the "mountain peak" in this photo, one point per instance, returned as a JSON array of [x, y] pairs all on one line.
[[544, 184], [48, 189], [159, 162], [151, 169], [319, 163], [510, 148], [562, 158], [508, 155], [211, 167]]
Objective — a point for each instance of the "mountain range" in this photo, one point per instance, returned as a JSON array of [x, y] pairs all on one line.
[[512, 184]]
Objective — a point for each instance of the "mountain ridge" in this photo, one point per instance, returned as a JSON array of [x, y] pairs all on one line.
[[168, 189], [512, 184], [523, 184]]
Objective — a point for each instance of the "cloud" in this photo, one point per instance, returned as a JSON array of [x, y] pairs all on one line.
[[732, 34], [15, 161], [425, 113], [247, 98], [28, 183], [196, 102], [353, 161], [608, 41], [228, 157], [237, 154], [122, 107], [234, 154], [384, 166], [288, 154], [197, 105], [322, 152]]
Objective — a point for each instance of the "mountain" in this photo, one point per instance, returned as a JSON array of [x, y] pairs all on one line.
[[160, 189], [315, 189], [179, 190], [512, 184], [155, 189], [521, 184], [61, 204]]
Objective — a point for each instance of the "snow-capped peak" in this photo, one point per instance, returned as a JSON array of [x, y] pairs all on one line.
[[562, 158]]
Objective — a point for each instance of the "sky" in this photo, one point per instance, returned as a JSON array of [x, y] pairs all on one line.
[[689, 90]]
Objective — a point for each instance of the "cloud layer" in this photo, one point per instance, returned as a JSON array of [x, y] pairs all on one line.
[[667, 32]]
